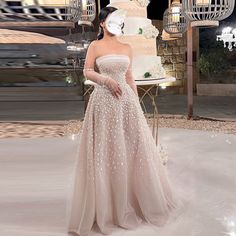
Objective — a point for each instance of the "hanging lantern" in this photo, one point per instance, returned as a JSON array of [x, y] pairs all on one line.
[[167, 37], [207, 12], [174, 20], [88, 12], [35, 12]]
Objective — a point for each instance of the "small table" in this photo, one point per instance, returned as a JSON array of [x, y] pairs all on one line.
[[149, 88]]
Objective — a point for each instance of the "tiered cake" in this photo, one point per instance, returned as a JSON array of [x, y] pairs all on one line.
[[141, 35]]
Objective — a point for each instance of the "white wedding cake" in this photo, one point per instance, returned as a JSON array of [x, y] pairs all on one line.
[[141, 35]]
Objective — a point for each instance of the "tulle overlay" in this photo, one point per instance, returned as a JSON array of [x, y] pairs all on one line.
[[119, 178]]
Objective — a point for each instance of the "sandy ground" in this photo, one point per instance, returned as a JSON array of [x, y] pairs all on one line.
[[61, 128]]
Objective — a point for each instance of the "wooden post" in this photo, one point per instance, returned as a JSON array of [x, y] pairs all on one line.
[[190, 71]]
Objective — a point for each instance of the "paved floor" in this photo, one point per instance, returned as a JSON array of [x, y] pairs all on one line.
[[34, 199], [210, 107]]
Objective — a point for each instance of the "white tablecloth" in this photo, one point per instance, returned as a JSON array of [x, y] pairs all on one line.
[[147, 81]]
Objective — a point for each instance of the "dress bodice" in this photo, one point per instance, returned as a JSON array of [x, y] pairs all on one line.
[[113, 65]]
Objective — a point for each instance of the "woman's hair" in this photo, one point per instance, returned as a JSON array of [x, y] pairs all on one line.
[[102, 17]]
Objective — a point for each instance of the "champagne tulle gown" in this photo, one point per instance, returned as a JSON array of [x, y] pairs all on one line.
[[119, 178]]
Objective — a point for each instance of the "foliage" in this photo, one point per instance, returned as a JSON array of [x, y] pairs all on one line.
[[147, 74], [213, 61]]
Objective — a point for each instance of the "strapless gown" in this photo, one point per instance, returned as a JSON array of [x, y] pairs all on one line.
[[119, 178]]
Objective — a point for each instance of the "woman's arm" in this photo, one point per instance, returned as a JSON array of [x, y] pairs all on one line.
[[129, 75], [89, 66], [96, 77]]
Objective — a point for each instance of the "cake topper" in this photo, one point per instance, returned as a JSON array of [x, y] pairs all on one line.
[[115, 21]]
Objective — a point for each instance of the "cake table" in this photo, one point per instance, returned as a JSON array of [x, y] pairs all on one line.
[[149, 88]]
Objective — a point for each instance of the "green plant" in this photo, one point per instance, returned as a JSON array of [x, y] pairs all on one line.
[[212, 62], [140, 31], [147, 74]]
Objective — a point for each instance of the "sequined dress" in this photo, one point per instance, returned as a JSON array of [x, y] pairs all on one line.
[[119, 178]]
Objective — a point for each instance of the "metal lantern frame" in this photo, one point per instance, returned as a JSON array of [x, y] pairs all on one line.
[[35, 11], [74, 11], [207, 12], [175, 22], [88, 12]]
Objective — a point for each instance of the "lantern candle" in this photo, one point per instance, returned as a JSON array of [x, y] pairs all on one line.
[[175, 14], [203, 2], [84, 5]]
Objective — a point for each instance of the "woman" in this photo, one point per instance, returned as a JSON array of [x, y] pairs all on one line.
[[120, 180]]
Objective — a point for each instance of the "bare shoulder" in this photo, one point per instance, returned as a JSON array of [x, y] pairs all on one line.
[[128, 48], [94, 43], [94, 46], [126, 45]]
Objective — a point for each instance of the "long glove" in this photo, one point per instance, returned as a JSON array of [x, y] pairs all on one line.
[[98, 78], [104, 81]]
